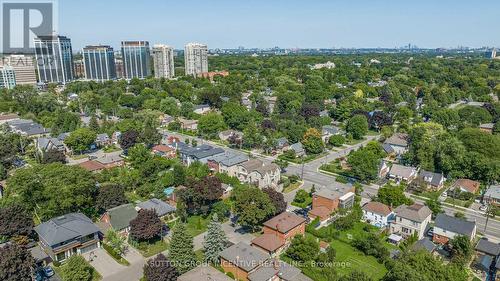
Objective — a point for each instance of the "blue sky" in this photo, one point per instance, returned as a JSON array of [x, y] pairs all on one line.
[[284, 23]]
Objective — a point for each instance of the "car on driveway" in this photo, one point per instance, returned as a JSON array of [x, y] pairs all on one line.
[[430, 232], [483, 208], [48, 271]]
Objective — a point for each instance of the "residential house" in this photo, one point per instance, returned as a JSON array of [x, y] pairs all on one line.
[[28, 128], [433, 181], [466, 185], [324, 113], [201, 153], [241, 260], [225, 135], [164, 151], [111, 160], [5, 118], [227, 162], [166, 119], [279, 232], [160, 207], [118, 219], [410, 220], [102, 140], [377, 214], [400, 173], [92, 166], [188, 125], [486, 247], [487, 127], [397, 144], [44, 144], [492, 195], [201, 108], [204, 273], [67, 235], [328, 130], [487, 253], [281, 144], [271, 103], [256, 172], [116, 137], [328, 199], [383, 169], [226, 190], [298, 148], [448, 227]]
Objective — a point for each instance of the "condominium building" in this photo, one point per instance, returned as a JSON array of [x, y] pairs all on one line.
[[79, 69], [99, 62], [54, 58], [163, 60], [196, 59], [7, 77], [136, 59], [23, 66]]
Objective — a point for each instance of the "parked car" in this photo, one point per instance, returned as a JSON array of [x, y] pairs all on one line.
[[444, 194], [483, 208], [48, 271], [430, 232]]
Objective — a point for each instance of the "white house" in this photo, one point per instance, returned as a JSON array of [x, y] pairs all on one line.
[[377, 214], [201, 108], [410, 220], [396, 144], [256, 172], [402, 173]]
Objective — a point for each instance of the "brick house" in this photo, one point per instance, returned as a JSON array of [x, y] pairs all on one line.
[[328, 199], [242, 259], [447, 227], [279, 232]]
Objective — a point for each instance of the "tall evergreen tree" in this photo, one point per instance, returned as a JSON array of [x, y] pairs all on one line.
[[215, 240], [181, 249]]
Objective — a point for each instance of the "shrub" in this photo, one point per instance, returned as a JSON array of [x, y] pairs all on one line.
[[336, 140]]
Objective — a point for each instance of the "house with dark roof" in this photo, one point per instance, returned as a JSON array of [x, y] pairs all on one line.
[[492, 195], [102, 140], [424, 244], [328, 130], [67, 235], [226, 162], [201, 108], [277, 270], [487, 253], [28, 128], [241, 260], [279, 232], [44, 144], [396, 144], [281, 144], [328, 199], [448, 227], [204, 273], [298, 149], [466, 185], [258, 173], [160, 207], [201, 153], [411, 220], [432, 181], [377, 214], [118, 218], [486, 247]]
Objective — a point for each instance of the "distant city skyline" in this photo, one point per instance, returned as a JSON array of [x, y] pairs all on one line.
[[287, 24]]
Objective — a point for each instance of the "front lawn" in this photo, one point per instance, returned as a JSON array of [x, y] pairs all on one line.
[[150, 249], [292, 187], [306, 159], [458, 202], [196, 225]]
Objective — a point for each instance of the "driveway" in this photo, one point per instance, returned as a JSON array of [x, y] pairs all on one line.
[[233, 234], [103, 263], [133, 272]]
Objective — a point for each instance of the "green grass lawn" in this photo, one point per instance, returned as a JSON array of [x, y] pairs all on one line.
[[196, 225], [353, 141], [458, 202], [304, 204], [150, 249], [356, 260], [292, 187], [133, 197]]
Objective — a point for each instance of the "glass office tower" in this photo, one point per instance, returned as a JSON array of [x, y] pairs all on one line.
[[54, 59], [136, 59], [99, 63]]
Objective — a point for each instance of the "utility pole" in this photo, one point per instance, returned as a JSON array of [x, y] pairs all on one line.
[[302, 173]]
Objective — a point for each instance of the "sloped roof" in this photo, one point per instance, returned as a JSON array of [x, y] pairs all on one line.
[[455, 225], [377, 208], [120, 216], [416, 212], [244, 256], [204, 273], [273, 268], [162, 208], [398, 139], [402, 171], [493, 192], [284, 222], [424, 244], [91, 165], [64, 228], [435, 178], [269, 242], [467, 184], [488, 247]]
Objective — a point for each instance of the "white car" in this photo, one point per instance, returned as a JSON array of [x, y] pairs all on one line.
[[483, 208], [444, 194]]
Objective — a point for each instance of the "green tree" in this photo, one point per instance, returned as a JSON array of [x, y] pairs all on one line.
[[252, 206], [80, 139], [77, 269], [210, 125], [357, 126], [181, 251], [115, 241], [139, 155], [312, 141], [434, 205], [303, 249], [93, 124], [215, 241], [393, 196], [251, 136], [16, 263], [336, 140], [355, 275], [461, 249]]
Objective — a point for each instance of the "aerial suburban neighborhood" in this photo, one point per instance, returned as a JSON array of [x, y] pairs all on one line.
[[162, 163]]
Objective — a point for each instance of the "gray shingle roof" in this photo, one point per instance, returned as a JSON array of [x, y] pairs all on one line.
[[202, 273], [162, 208], [388, 148], [28, 127], [402, 171], [244, 256], [416, 212], [46, 144], [200, 152], [433, 178], [488, 247], [229, 158], [64, 228], [455, 225], [297, 147], [424, 244], [269, 270], [493, 192], [329, 129], [398, 139], [121, 216]]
